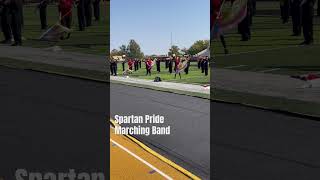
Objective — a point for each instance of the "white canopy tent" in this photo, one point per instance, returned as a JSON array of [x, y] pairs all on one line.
[[205, 52]]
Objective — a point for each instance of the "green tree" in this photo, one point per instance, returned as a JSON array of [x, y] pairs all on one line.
[[198, 46], [123, 50], [134, 50], [115, 52], [174, 50]]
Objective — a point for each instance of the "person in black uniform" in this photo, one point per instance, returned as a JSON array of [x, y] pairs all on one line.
[[111, 66], [96, 9], [186, 70], [296, 17], [244, 25], [80, 13], [170, 65], [206, 65], [307, 21], [140, 63], [115, 67], [123, 64], [284, 8], [5, 25], [318, 8], [88, 12], [158, 65], [43, 13], [16, 7], [202, 65], [135, 63]]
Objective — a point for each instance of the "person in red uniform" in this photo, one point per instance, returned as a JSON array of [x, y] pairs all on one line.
[[65, 10], [177, 69], [149, 66], [130, 63], [214, 20]]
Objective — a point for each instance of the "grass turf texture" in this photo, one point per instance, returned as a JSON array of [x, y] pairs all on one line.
[[194, 77], [93, 40], [277, 50]]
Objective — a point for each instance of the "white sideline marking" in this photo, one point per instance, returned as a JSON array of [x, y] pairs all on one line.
[[231, 67], [140, 159], [261, 50], [269, 70]]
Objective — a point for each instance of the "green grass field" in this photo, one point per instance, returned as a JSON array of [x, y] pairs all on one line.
[[194, 77], [94, 40], [271, 48]]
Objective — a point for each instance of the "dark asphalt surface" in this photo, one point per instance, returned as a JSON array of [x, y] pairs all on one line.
[[189, 142], [52, 123], [252, 144]]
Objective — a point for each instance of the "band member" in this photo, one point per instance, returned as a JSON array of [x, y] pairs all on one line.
[[158, 65], [296, 17], [65, 9], [284, 8], [5, 22], [80, 13], [186, 70], [244, 25], [170, 65], [307, 21], [206, 65], [202, 65], [130, 64], [88, 12], [140, 63], [43, 13], [214, 20], [149, 66], [96, 9], [113, 67], [199, 63], [176, 67]]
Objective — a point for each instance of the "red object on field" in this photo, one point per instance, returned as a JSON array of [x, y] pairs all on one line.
[[308, 77]]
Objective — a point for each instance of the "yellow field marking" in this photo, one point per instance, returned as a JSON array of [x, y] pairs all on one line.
[[162, 158]]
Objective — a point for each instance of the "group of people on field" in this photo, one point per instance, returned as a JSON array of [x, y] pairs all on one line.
[[173, 64], [302, 14], [11, 12], [301, 11]]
